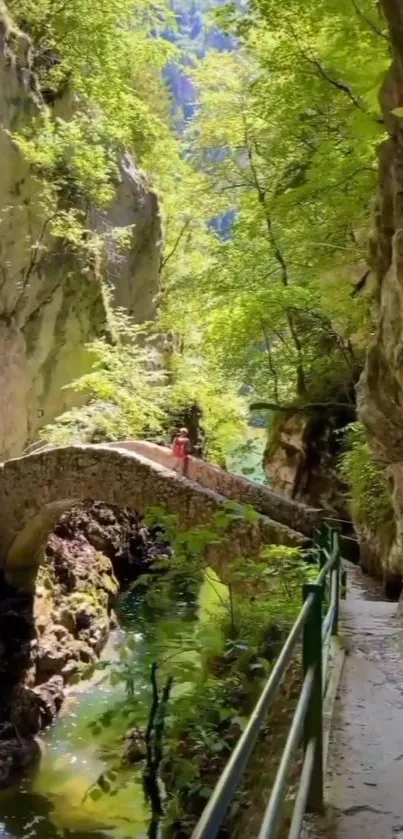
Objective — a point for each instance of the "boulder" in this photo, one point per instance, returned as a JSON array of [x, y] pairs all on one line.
[[32, 709], [301, 459], [51, 696], [52, 657]]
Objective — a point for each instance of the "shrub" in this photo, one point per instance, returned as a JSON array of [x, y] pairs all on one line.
[[370, 499]]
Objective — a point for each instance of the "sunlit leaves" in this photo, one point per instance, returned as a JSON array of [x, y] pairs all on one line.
[[103, 61], [293, 152], [370, 498]]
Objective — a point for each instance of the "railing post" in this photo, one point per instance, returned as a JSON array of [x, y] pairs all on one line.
[[336, 583], [313, 726], [343, 582], [322, 541]]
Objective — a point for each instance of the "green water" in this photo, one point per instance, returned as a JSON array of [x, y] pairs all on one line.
[[246, 460], [53, 801]]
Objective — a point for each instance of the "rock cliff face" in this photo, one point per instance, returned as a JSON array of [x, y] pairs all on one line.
[[381, 386], [51, 305], [51, 637], [301, 459]]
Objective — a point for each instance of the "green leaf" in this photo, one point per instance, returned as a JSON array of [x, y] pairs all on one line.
[[95, 794], [219, 746], [225, 714], [205, 792], [103, 783], [241, 721]]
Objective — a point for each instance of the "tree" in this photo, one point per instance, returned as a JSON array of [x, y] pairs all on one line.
[[129, 394], [191, 676], [293, 154], [98, 68]]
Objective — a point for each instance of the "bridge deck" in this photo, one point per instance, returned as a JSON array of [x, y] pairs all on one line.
[[204, 485], [276, 506], [37, 487]]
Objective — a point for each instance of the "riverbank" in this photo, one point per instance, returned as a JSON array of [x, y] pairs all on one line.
[[51, 636], [145, 742], [87, 742]]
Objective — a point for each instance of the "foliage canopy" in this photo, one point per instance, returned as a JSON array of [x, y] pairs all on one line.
[[292, 158]]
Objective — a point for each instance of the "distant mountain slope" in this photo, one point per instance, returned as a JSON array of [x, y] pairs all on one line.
[[196, 35]]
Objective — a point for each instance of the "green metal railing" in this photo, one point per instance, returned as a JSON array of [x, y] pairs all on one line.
[[315, 630]]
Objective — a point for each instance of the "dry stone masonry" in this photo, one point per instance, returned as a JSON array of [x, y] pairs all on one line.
[[37, 488]]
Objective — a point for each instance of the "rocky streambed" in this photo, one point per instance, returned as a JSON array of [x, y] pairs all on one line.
[[49, 639]]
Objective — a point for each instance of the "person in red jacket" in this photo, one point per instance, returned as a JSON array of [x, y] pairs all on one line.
[[180, 451]]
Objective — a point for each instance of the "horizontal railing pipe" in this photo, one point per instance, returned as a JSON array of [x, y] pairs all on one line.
[[220, 800], [303, 790], [316, 632], [271, 819]]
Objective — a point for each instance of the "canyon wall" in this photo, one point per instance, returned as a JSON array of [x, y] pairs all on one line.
[[380, 393], [301, 459], [51, 303]]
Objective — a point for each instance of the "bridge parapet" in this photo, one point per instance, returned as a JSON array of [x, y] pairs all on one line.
[[37, 488], [276, 506]]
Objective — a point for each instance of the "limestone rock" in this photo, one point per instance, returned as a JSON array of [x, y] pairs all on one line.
[[51, 304], [301, 459], [51, 696], [16, 756], [380, 396], [71, 612], [52, 657], [25, 713], [34, 709], [285, 456], [71, 671]]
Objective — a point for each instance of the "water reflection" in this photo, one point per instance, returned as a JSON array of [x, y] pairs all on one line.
[[54, 801]]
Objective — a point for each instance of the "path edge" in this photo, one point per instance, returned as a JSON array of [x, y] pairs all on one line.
[[338, 655]]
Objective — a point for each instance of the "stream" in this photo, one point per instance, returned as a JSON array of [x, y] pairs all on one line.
[[86, 741]]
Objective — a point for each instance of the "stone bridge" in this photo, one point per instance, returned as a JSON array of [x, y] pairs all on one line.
[[37, 488]]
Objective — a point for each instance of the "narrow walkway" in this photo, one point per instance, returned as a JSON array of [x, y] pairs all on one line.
[[294, 515], [365, 770]]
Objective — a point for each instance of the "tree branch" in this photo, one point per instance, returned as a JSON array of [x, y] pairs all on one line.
[[160, 724], [153, 711], [304, 409], [327, 326], [175, 246], [370, 23], [278, 255], [341, 86], [271, 362]]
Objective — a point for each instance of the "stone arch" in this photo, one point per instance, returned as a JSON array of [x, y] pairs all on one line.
[[37, 488], [274, 505]]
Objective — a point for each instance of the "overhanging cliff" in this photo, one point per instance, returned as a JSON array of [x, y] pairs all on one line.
[[51, 303]]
